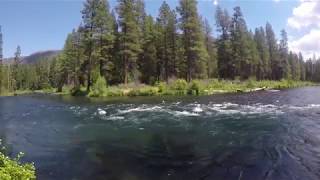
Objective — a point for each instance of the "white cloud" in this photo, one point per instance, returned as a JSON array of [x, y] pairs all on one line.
[[307, 14], [305, 18], [308, 44], [215, 2]]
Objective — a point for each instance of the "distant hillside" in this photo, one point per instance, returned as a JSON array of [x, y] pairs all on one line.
[[39, 55], [35, 57]]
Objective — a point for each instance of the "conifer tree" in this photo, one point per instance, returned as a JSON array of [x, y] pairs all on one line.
[[1, 62], [273, 51], [89, 14], [226, 64], [263, 66], [148, 57], [166, 22], [130, 46], [284, 66], [211, 49], [105, 38], [194, 49], [15, 69], [240, 44], [302, 68], [72, 58]]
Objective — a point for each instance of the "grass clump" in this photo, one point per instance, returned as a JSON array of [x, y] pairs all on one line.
[[114, 91], [144, 91]]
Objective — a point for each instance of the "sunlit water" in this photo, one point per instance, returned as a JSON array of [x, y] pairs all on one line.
[[262, 135]]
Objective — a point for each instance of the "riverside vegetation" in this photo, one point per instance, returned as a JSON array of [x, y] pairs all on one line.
[[195, 87], [13, 169], [173, 87], [136, 54]]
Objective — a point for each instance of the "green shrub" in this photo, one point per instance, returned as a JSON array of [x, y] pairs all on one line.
[[180, 85], [195, 87], [144, 91], [114, 91], [162, 87], [250, 83], [13, 169], [99, 87]]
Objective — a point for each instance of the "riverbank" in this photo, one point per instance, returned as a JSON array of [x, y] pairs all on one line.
[[177, 87]]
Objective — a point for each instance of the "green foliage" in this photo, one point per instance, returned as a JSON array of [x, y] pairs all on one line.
[[99, 87], [162, 87], [114, 91], [195, 87], [148, 61], [180, 85], [144, 91], [250, 83], [167, 42], [13, 169], [129, 37], [195, 53]]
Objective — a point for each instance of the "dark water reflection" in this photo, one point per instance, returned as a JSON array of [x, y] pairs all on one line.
[[263, 135]]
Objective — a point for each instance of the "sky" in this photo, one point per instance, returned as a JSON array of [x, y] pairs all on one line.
[[39, 25]]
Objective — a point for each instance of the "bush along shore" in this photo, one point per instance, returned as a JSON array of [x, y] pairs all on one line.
[[195, 87], [173, 87], [13, 169]]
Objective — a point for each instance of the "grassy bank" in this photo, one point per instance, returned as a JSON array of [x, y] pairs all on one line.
[[196, 87], [174, 87]]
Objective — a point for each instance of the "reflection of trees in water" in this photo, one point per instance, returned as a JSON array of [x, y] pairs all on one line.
[[168, 157], [151, 156]]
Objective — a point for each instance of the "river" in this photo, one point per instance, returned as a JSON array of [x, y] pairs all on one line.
[[260, 135]]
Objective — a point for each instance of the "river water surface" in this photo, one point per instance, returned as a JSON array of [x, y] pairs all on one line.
[[261, 135]]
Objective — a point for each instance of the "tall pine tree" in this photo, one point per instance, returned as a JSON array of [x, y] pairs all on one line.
[[240, 44], [15, 69], [194, 49], [226, 64], [273, 52], [284, 66], [263, 66], [211, 49], [130, 46], [1, 61], [166, 22]]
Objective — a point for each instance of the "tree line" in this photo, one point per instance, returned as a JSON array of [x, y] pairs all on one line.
[[125, 44]]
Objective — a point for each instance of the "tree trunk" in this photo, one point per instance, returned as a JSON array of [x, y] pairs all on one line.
[[125, 70]]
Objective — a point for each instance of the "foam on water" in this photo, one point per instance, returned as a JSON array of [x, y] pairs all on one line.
[[143, 108], [192, 110], [101, 112], [184, 113], [113, 118], [197, 109]]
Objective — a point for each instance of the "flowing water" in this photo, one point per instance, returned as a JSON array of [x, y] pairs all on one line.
[[262, 135]]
